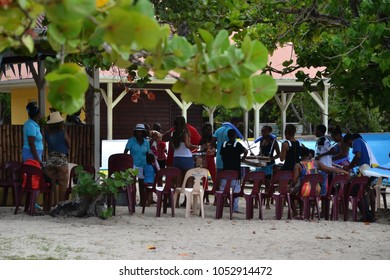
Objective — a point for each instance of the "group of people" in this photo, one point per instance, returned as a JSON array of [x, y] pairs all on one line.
[[150, 150], [327, 159], [223, 152]]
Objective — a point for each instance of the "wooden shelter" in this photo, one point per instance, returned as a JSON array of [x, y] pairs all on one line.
[[118, 124]]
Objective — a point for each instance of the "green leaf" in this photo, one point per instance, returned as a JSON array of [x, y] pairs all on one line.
[[55, 34], [5, 43], [160, 74], [142, 72], [67, 86], [287, 63], [386, 81], [231, 96], [181, 49], [190, 88], [246, 46], [80, 8], [221, 42], [264, 87], [57, 12], [145, 7], [136, 32], [207, 38], [107, 213], [259, 55], [246, 99], [28, 42]]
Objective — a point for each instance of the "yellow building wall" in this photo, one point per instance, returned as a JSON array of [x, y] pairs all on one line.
[[19, 99]]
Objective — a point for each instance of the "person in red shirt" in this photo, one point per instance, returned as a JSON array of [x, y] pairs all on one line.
[[207, 135], [158, 148]]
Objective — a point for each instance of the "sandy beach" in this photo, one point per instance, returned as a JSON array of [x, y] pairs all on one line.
[[143, 236]]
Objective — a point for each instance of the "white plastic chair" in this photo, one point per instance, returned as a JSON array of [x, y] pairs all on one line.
[[200, 176]]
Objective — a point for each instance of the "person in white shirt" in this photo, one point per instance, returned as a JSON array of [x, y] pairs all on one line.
[[323, 146]]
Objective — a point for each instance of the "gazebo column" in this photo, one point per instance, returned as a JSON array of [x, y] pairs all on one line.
[[256, 126], [325, 116], [182, 104], [108, 98], [322, 103], [283, 103], [246, 123], [110, 108], [210, 111], [39, 78], [95, 83]]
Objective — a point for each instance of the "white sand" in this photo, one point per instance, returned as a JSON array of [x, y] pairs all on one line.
[[146, 237]]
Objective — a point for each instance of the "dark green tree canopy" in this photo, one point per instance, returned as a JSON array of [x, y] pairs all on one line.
[[351, 39]]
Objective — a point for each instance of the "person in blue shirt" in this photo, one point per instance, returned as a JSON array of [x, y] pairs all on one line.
[[361, 150], [32, 136], [362, 157], [138, 146], [150, 171]]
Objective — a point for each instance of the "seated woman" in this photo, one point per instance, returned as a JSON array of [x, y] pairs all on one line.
[[340, 150], [308, 165]]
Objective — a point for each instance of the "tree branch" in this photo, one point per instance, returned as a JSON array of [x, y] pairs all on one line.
[[354, 7], [312, 13]]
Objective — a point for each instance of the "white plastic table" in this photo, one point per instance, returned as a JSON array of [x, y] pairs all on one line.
[[379, 172]]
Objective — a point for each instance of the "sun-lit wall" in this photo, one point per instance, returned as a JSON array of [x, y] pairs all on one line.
[[19, 99]]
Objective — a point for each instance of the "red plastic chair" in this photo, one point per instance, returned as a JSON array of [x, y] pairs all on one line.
[[11, 178], [220, 196], [257, 178], [165, 183], [282, 181], [211, 191], [116, 163], [73, 177], [314, 180], [356, 190], [335, 193], [32, 173]]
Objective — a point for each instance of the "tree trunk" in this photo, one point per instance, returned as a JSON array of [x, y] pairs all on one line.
[[301, 118]]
